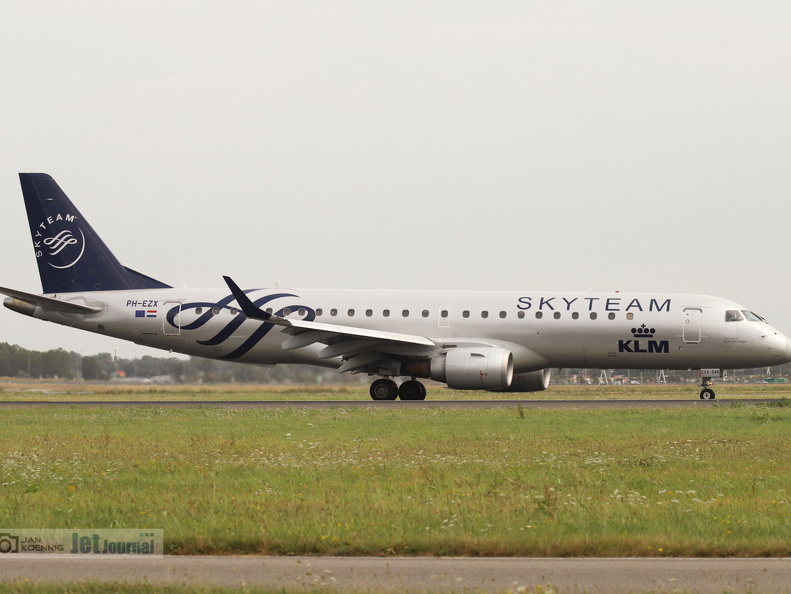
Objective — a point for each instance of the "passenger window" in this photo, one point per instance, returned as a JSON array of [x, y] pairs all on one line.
[[319, 311], [502, 314], [369, 312], [443, 314], [269, 310], [425, 313], [575, 315], [333, 312], [557, 315], [733, 315], [405, 313], [484, 314], [520, 315], [302, 311], [594, 315], [539, 315], [465, 314], [386, 313], [287, 311], [630, 316], [350, 313], [215, 311], [611, 316], [198, 311]]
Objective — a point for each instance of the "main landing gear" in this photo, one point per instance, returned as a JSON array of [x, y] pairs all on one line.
[[387, 389], [706, 393]]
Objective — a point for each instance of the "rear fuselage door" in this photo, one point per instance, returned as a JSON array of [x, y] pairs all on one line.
[[171, 321]]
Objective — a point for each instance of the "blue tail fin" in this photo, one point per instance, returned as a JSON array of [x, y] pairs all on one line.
[[71, 256]]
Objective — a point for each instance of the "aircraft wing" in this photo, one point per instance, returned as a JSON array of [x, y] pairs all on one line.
[[362, 349], [48, 303]]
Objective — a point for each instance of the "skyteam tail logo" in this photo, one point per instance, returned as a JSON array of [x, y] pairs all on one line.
[[641, 344], [59, 241]]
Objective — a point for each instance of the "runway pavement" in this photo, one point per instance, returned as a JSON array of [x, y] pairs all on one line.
[[418, 574], [473, 404]]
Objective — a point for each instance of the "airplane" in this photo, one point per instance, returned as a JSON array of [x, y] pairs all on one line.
[[475, 340]]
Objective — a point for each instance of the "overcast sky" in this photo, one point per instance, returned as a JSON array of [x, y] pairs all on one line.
[[608, 145]]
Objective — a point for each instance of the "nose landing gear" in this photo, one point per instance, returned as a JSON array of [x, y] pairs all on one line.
[[706, 393]]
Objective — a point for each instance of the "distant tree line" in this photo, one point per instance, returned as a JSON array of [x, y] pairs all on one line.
[[23, 363], [18, 362], [57, 363]]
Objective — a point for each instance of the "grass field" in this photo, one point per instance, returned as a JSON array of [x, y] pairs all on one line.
[[120, 588], [713, 481], [13, 389]]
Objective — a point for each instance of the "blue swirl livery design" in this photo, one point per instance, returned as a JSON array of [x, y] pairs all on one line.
[[224, 333]]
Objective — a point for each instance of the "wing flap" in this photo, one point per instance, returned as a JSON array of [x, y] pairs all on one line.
[[307, 338], [360, 362], [355, 332]]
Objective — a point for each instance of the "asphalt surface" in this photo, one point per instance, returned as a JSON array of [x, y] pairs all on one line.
[[418, 574], [692, 402]]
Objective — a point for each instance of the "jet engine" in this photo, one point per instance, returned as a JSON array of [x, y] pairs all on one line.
[[532, 381], [484, 368]]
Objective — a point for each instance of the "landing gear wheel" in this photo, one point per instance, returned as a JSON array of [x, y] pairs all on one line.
[[384, 389], [412, 390], [707, 394]]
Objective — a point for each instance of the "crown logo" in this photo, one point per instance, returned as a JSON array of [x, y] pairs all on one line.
[[643, 332]]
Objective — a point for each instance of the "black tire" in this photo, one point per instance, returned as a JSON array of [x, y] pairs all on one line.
[[707, 394], [412, 390], [384, 389]]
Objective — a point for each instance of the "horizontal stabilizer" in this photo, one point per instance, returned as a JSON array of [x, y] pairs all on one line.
[[50, 303]]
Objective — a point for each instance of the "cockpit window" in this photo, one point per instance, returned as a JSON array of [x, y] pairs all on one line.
[[752, 316], [733, 315]]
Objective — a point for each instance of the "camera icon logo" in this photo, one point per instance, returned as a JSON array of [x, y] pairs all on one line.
[[9, 543]]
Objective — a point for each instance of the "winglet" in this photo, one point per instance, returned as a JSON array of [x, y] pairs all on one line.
[[250, 309]]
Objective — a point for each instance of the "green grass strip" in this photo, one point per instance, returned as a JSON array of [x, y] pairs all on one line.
[[713, 481], [120, 588]]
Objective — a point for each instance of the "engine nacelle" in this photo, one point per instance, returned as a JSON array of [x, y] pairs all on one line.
[[483, 368], [532, 381]]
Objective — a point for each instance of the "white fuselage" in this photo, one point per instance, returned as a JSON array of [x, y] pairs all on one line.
[[543, 329]]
